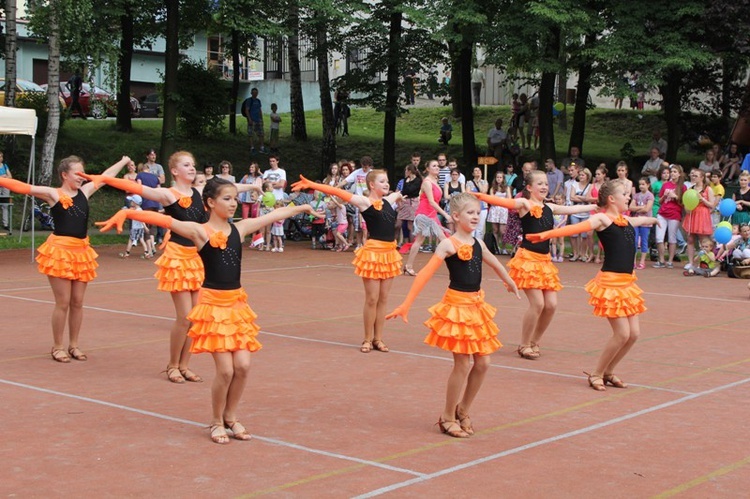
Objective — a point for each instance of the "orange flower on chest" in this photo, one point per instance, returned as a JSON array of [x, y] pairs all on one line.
[[218, 240], [536, 210], [465, 252], [185, 201], [66, 201], [620, 221], [377, 204]]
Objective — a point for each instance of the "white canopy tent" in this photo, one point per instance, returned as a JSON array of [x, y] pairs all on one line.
[[15, 121]]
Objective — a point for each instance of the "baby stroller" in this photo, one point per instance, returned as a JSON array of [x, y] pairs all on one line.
[[40, 212], [298, 227]]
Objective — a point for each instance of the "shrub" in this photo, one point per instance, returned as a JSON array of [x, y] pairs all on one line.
[[202, 100], [38, 102]]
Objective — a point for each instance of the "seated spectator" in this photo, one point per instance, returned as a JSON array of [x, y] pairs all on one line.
[[652, 165], [497, 140], [709, 163], [730, 164]]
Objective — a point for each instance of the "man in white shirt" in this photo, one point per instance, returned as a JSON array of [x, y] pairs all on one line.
[[477, 80], [277, 177], [497, 140], [652, 165], [445, 170], [554, 179]]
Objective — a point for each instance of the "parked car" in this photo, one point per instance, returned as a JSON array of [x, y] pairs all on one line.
[[100, 104], [151, 106], [23, 86]]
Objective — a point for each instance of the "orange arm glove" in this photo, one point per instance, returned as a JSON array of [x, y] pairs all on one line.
[[118, 183], [327, 189], [503, 202], [568, 230], [15, 185], [419, 283], [148, 217]]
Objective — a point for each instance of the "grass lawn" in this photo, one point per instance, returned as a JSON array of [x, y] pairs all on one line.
[[418, 130]]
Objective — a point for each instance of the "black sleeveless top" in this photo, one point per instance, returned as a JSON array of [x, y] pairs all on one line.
[[619, 248], [381, 225], [466, 275], [532, 225], [411, 188], [223, 265], [74, 221], [193, 213], [453, 190]]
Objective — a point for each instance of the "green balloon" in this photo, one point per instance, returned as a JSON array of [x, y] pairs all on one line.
[[268, 200], [725, 224], [690, 199], [559, 106]]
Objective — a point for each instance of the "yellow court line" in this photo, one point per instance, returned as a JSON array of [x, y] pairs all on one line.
[[703, 479]]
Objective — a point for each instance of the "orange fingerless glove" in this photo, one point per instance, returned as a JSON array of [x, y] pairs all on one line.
[[150, 217], [509, 203], [123, 184], [568, 230], [419, 283], [324, 188], [15, 185]]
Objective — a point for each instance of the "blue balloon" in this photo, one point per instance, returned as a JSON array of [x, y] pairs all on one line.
[[722, 235], [727, 207], [555, 112]]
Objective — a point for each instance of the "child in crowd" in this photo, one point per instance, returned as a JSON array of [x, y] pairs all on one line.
[[267, 203], [497, 216], [718, 190], [340, 224], [319, 223], [378, 261], [137, 230], [222, 323], [446, 131], [557, 244], [742, 199], [277, 231], [614, 293], [200, 180], [462, 322], [275, 125], [705, 262], [739, 247], [697, 222], [642, 206]]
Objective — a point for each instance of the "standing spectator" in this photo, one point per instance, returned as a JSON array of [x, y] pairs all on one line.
[[519, 184], [554, 179], [407, 209], [277, 177], [208, 171], [532, 128], [652, 165], [410, 86], [154, 167], [670, 215], [251, 200], [445, 171], [523, 118], [658, 142], [275, 126], [453, 165], [5, 173], [497, 216], [358, 179], [446, 131], [574, 157], [74, 86], [333, 178], [497, 140], [477, 80], [479, 185], [145, 177], [642, 205], [252, 109], [225, 167], [341, 112]]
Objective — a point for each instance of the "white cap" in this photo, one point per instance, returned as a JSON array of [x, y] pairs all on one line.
[[134, 198]]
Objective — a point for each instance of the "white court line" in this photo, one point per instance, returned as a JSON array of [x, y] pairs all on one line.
[[338, 343], [203, 425], [557, 438]]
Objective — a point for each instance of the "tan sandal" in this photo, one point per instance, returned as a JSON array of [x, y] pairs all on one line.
[[77, 354], [238, 431], [366, 346], [219, 434], [174, 375], [596, 382], [535, 349], [611, 379], [451, 428], [379, 346], [59, 355], [464, 421], [527, 352], [189, 375]]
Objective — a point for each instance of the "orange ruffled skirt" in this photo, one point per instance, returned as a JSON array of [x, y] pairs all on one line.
[[180, 268], [462, 323], [377, 260], [222, 321], [67, 258], [615, 295], [532, 270]]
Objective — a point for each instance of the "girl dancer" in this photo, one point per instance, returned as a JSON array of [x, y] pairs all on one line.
[[66, 257], [378, 261], [426, 223], [223, 323], [462, 322], [180, 268], [531, 267], [613, 291]]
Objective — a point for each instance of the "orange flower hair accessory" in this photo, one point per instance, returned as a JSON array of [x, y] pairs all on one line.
[[377, 204], [536, 210], [185, 201], [218, 240], [620, 221], [465, 252], [65, 201]]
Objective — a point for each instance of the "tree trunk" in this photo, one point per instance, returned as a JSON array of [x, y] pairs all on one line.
[[463, 81], [235, 90], [328, 149], [579, 114], [546, 122], [454, 85], [391, 96], [53, 90], [670, 92], [125, 59], [171, 63], [10, 53], [296, 103], [562, 90], [741, 132]]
